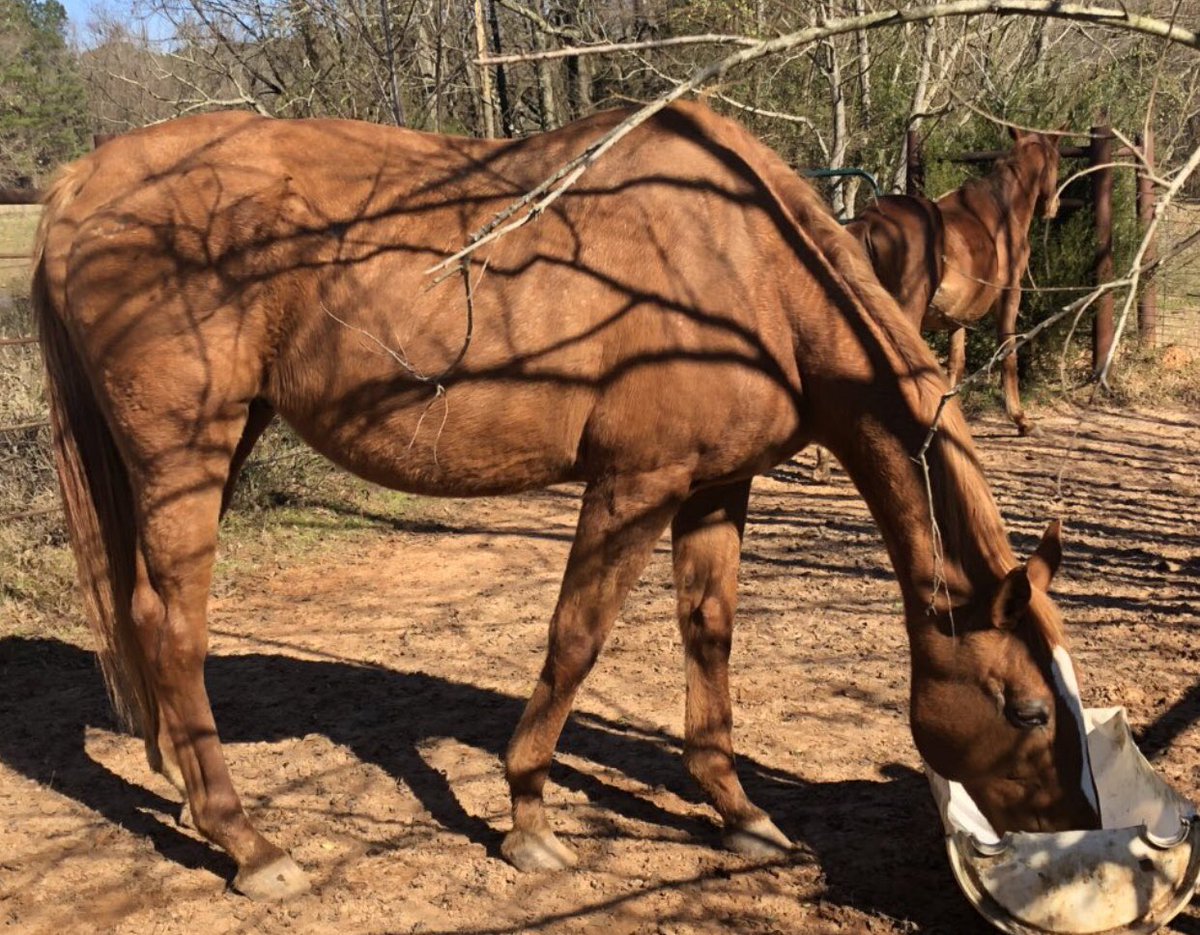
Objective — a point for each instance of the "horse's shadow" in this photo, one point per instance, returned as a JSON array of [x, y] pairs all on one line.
[[877, 844]]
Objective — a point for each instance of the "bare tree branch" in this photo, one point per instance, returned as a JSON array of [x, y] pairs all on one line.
[[550, 189]]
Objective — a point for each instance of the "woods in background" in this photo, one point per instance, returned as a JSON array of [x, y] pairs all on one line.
[[846, 101]]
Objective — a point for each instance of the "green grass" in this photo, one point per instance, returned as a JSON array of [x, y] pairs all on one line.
[[278, 519], [18, 224]]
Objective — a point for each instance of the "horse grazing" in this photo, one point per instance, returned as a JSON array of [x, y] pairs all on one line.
[[687, 316], [951, 262]]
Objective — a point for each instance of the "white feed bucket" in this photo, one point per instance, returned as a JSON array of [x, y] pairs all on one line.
[[1133, 875]]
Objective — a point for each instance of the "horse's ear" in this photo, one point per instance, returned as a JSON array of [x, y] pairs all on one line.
[[1012, 599], [1014, 133], [1045, 560]]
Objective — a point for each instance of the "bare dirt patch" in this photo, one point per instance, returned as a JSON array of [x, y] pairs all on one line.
[[365, 698]]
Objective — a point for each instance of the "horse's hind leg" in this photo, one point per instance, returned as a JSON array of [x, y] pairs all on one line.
[[821, 470], [180, 502], [707, 542], [260, 415], [956, 361], [160, 751], [1007, 327], [621, 518]]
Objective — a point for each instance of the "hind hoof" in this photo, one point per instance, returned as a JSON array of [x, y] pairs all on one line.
[[528, 851], [1029, 430], [759, 838], [281, 879]]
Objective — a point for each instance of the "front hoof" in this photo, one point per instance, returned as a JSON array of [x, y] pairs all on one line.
[[528, 851], [759, 838], [282, 878], [1029, 430]]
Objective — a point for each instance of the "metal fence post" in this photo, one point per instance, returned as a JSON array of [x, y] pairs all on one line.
[[1100, 154]]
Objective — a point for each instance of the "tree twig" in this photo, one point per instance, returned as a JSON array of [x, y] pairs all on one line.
[[551, 188]]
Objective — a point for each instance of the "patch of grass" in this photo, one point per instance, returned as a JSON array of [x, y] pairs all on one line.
[[37, 577], [290, 506], [276, 521], [18, 224]]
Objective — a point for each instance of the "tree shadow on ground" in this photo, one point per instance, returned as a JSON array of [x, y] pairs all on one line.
[[877, 844]]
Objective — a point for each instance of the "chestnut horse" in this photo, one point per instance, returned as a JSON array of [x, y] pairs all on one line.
[[951, 262], [689, 315]]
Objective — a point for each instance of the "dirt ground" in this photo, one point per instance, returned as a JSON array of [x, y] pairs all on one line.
[[365, 699]]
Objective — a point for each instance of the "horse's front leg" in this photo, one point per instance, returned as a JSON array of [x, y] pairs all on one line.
[[1006, 327], [621, 519], [707, 542]]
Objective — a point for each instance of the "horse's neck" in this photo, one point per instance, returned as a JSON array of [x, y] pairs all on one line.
[[941, 526], [1017, 186]]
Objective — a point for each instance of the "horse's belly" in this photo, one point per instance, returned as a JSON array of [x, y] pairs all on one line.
[[451, 439], [959, 300]]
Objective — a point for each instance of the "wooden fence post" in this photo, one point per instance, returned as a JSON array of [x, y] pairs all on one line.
[[914, 165], [1100, 153], [1148, 300]]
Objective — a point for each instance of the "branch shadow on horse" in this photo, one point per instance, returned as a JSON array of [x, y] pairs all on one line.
[[688, 318]]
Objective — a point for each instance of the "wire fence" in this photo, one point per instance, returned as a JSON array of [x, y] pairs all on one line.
[[27, 487], [1179, 282]]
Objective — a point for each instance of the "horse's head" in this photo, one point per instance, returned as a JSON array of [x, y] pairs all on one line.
[[996, 708], [1041, 151]]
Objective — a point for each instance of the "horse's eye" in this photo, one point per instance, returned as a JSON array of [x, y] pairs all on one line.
[[1027, 714]]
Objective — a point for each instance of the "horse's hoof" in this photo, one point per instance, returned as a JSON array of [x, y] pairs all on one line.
[[1029, 430], [184, 818], [282, 878], [527, 851], [759, 838]]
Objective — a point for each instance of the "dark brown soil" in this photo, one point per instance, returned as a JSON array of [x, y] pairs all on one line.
[[365, 700]]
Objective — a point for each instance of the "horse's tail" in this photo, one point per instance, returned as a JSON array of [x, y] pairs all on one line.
[[94, 483]]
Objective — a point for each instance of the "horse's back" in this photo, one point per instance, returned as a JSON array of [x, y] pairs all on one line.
[[287, 260], [903, 237], [976, 252]]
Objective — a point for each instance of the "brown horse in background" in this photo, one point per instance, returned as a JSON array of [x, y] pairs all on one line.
[[687, 316], [951, 262]]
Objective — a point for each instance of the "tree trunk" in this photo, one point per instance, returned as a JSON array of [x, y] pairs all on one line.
[[579, 72], [839, 143], [545, 82], [389, 53], [427, 53], [506, 115], [864, 66], [486, 106], [920, 103]]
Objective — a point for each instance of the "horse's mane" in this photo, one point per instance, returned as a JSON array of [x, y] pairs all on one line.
[[967, 515]]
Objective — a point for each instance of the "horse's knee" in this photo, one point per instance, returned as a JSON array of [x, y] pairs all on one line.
[[149, 614], [173, 645], [707, 625]]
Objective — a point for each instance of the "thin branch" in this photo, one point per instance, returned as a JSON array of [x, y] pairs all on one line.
[[550, 189], [607, 47]]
